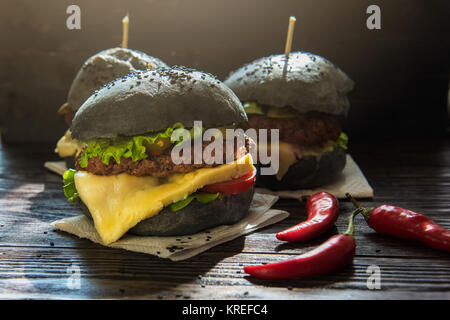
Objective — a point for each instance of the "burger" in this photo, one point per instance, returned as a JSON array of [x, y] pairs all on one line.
[[304, 97], [97, 71], [125, 177]]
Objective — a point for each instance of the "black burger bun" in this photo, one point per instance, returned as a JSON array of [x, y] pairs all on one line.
[[153, 100], [308, 172], [193, 218], [303, 81], [102, 68], [306, 83]]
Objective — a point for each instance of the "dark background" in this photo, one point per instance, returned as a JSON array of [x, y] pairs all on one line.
[[401, 71]]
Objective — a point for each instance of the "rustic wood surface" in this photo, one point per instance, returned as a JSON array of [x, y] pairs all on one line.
[[34, 258]]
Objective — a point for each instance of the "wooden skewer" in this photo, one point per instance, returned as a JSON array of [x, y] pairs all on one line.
[[290, 35], [125, 22]]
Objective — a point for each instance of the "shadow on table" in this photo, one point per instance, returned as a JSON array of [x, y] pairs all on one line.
[[388, 246], [106, 272], [119, 273]]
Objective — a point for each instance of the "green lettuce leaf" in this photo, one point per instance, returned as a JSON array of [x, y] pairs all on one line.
[[201, 197], [70, 191], [342, 141], [134, 148], [253, 108]]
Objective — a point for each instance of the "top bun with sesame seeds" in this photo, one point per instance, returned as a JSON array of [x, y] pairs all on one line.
[[104, 67], [302, 81], [153, 100]]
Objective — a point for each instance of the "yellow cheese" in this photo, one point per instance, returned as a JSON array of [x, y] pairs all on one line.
[[66, 146], [288, 154], [318, 151], [118, 203]]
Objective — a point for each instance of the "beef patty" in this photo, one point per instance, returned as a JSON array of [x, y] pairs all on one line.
[[310, 129], [162, 165]]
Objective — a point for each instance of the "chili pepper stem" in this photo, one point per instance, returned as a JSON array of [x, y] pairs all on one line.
[[365, 212], [351, 222]]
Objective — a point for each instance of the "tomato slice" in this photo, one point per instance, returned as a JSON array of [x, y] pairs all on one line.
[[235, 186]]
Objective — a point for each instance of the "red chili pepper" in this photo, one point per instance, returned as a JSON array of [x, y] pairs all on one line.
[[333, 254], [405, 224], [323, 211]]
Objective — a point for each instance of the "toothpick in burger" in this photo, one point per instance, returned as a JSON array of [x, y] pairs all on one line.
[[304, 96]]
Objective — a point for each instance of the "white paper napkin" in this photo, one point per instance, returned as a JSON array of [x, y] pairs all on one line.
[[351, 180], [183, 247], [56, 166]]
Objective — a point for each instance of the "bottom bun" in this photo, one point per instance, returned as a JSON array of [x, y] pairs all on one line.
[[307, 173], [193, 218]]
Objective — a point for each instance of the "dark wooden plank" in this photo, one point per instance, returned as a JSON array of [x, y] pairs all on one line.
[[26, 162], [105, 272], [34, 258]]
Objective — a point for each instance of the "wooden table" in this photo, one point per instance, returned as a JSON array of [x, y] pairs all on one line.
[[36, 261]]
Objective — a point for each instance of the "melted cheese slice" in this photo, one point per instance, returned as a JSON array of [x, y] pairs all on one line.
[[288, 154], [66, 146], [118, 203]]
